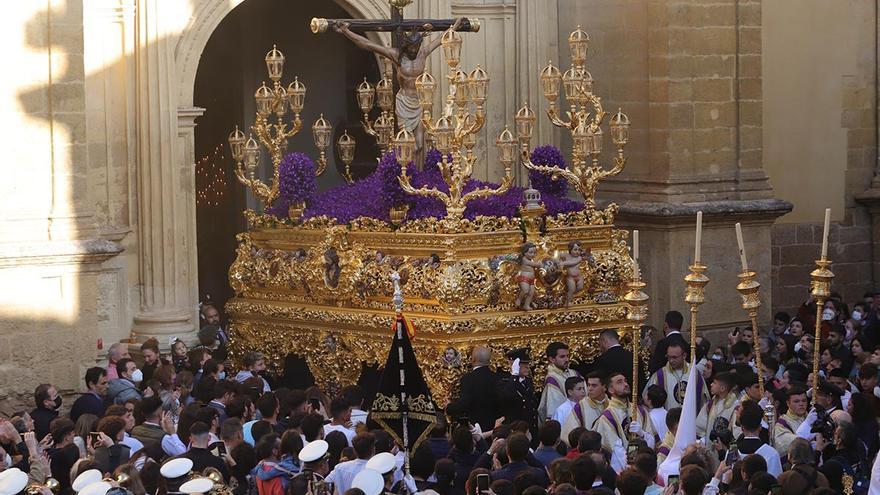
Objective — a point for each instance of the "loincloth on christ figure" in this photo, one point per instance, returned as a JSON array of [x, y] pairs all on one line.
[[409, 113]]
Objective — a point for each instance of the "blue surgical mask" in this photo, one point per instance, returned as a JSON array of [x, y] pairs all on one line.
[[221, 375]]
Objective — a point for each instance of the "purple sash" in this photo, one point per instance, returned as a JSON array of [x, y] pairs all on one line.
[[663, 450], [580, 414], [552, 381], [612, 420], [784, 423]]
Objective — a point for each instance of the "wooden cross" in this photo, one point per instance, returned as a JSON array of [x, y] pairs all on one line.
[[321, 25]]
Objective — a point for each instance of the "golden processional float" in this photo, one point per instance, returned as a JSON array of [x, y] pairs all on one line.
[[321, 289]]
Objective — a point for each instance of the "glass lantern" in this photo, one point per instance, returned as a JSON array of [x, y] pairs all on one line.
[[384, 127], [443, 135], [587, 81], [404, 147], [321, 132], [550, 79], [345, 147], [385, 94], [578, 41], [479, 85], [425, 85], [451, 41], [525, 122], [469, 140], [296, 96], [581, 139], [263, 97], [506, 145], [236, 142], [460, 80], [275, 64], [620, 129], [571, 83], [251, 154], [365, 96]]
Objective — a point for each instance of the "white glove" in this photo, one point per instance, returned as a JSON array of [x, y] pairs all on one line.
[[618, 456], [514, 368], [636, 429], [803, 430], [877, 392], [477, 432], [410, 483]]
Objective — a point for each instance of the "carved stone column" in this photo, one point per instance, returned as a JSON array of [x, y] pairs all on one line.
[[166, 196]]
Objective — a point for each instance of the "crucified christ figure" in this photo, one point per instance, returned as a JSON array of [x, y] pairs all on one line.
[[410, 60]]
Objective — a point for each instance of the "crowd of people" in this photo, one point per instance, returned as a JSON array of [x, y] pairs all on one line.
[[760, 427]]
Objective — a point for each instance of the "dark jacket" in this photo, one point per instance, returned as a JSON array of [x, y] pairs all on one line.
[[615, 360], [658, 359], [87, 403], [42, 418], [150, 435], [513, 469], [478, 397], [464, 464], [203, 458]]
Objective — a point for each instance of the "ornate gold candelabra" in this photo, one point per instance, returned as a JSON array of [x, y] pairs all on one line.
[[382, 128], [345, 149], [276, 100], [820, 288], [696, 282], [748, 287], [585, 126], [637, 314], [454, 133]]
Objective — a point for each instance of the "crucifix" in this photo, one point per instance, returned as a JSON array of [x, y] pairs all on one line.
[[407, 54]]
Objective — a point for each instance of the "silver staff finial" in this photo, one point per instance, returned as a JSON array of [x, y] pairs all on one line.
[[397, 300]]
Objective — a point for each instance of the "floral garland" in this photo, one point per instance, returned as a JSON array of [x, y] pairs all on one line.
[[373, 196], [548, 185]]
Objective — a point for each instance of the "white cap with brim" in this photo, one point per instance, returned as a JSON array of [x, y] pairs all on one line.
[[382, 463], [85, 479], [175, 468], [12, 481], [97, 488], [197, 486], [313, 451], [371, 482]]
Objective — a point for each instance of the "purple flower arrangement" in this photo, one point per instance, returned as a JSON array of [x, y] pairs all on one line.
[[297, 183], [374, 195], [548, 156]]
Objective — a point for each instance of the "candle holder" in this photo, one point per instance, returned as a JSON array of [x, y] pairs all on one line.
[[820, 289], [637, 314], [748, 287], [694, 295]]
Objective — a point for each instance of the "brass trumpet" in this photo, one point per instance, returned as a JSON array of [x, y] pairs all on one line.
[[51, 483], [120, 479], [216, 477]]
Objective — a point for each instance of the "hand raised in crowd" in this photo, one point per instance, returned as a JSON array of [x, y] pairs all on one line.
[[167, 423], [30, 441], [47, 441]]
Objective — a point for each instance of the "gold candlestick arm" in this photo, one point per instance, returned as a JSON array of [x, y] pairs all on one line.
[[820, 289], [748, 287], [636, 314], [696, 282]]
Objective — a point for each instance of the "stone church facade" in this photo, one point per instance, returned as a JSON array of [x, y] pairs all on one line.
[[758, 112]]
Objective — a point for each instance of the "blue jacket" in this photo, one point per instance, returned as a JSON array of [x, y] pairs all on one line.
[[120, 390]]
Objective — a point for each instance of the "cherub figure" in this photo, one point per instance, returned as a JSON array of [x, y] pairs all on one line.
[[574, 279], [526, 277], [331, 268], [451, 357]]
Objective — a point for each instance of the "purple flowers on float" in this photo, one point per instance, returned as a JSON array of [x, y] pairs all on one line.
[[549, 156], [374, 195]]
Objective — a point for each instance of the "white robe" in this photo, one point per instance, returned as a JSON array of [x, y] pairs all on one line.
[[590, 411], [554, 391], [675, 383]]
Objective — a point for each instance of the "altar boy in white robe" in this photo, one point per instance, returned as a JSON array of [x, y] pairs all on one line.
[[673, 378], [718, 413], [587, 411]]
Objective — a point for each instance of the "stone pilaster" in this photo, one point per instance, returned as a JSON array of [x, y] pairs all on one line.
[[166, 210]]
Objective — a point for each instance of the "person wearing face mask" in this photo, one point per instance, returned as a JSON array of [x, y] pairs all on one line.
[[48, 402], [125, 387]]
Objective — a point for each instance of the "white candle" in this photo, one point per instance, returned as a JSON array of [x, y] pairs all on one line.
[[635, 270], [699, 237], [742, 248], [825, 233], [636, 245]]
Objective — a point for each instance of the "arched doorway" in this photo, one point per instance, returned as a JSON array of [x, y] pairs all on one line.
[[230, 69]]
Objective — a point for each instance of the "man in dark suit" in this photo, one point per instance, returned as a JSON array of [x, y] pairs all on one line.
[[516, 392], [151, 431], [672, 331], [478, 397], [614, 358], [517, 449], [92, 402]]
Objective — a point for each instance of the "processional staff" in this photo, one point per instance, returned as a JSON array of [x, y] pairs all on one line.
[[696, 281], [820, 288], [638, 312]]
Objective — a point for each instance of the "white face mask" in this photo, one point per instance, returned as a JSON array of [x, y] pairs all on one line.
[[857, 315], [7, 461], [827, 314], [797, 347], [221, 376], [137, 376], [717, 357]]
